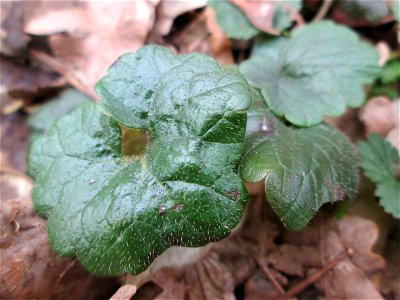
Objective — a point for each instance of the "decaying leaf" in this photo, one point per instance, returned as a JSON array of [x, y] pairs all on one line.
[[379, 115], [204, 35], [86, 37], [220, 44], [349, 277], [13, 142], [125, 292], [167, 11], [29, 268], [391, 275], [269, 15], [232, 20], [13, 39], [19, 81]]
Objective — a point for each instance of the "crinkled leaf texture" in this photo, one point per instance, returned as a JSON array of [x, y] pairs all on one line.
[[319, 71], [381, 163], [116, 213], [302, 168]]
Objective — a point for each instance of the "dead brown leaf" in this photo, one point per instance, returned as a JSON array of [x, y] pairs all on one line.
[[204, 35], [19, 81], [87, 37], [125, 292], [13, 142], [12, 38], [345, 280], [261, 13], [29, 268], [167, 11], [259, 286], [391, 275], [378, 116], [221, 45], [348, 123], [349, 277]]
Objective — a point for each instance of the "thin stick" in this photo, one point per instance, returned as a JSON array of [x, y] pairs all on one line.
[[271, 277], [326, 5], [317, 275]]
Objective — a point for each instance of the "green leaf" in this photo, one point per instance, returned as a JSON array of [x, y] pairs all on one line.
[[232, 20], [390, 73], [389, 194], [269, 46], [41, 120], [320, 71], [117, 212], [302, 168], [381, 163], [395, 8], [237, 26], [386, 83], [378, 158], [282, 16]]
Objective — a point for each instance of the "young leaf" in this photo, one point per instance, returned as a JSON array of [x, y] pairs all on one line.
[[387, 81], [232, 20], [117, 212], [302, 168], [389, 195], [320, 71], [381, 163]]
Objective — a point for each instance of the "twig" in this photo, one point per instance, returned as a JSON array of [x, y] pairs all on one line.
[[271, 277], [323, 10], [58, 67], [317, 275]]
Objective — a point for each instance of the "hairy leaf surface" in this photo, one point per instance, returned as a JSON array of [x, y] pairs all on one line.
[[115, 212], [319, 71], [302, 168]]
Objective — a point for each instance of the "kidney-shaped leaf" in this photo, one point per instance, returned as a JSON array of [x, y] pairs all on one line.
[[302, 168], [117, 212], [319, 71]]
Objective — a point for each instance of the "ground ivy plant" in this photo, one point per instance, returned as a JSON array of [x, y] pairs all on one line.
[[117, 211], [163, 158]]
